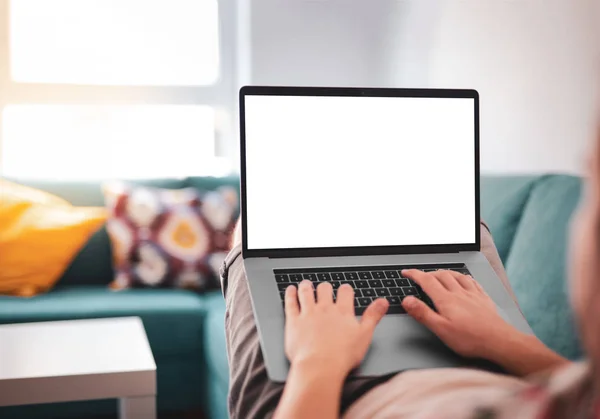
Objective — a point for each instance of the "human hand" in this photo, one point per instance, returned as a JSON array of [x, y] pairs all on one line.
[[466, 319], [325, 332]]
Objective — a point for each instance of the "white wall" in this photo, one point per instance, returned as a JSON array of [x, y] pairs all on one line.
[[536, 66], [315, 42], [535, 63]]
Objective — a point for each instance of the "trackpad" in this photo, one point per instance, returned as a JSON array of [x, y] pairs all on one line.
[[401, 343]]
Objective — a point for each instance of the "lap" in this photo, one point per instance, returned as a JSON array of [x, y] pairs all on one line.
[[251, 393]]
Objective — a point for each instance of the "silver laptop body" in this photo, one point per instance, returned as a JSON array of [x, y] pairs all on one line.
[[347, 183]]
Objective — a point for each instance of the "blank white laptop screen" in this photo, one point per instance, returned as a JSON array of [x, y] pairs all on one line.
[[329, 171]]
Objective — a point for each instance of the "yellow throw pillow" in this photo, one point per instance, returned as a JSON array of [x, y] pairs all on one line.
[[40, 234]]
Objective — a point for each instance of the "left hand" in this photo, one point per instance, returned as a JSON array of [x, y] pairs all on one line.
[[325, 332]]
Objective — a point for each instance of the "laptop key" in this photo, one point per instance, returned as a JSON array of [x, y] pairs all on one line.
[[337, 276], [389, 283], [335, 284], [324, 277], [382, 292], [282, 278], [402, 282], [378, 275], [364, 301], [375, 283], [365, 275], [295, 277], [310, 277], [410, 291], [351, 283], [357, 292], [361, 284], [394, 301], [396, 291], [391, 274], [351, 275], [368, 292], [283, 287]]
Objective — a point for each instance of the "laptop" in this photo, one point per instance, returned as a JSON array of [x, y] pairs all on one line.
[[353, 185]]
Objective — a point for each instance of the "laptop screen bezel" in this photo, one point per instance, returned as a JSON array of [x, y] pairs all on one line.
[[354, 92]]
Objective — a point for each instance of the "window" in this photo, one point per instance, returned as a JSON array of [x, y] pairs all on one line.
[[93, 89]]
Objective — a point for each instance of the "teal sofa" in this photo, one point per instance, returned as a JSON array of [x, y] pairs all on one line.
[[528, 216]]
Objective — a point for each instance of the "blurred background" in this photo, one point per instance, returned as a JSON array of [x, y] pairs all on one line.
[[148, 87], [146, 91]]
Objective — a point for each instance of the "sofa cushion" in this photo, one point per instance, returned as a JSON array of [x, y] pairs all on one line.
[[502, 202], [214, 344], [163, 238], [40, 235], [536, 266], [216, 358], [173, 319]]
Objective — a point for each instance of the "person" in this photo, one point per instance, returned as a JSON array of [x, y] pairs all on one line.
[[324, 341]]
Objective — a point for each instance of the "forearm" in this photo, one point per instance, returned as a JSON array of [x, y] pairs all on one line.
[[311, 392], [521, 354]]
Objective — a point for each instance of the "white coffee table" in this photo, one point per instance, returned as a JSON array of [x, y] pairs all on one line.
[[75, 360]]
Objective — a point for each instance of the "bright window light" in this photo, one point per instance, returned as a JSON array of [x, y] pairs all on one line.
[[100, 142], [115, 42]]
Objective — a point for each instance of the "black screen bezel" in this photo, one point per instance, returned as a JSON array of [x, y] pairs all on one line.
[[354, 92]]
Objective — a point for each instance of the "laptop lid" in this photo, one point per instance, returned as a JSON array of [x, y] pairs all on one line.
[[353, 171]]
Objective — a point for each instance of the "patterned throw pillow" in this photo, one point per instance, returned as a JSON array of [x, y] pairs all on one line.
[[168, 238]]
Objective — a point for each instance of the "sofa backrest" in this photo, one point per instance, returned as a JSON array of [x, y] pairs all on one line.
[[93, 264], [529, 218]]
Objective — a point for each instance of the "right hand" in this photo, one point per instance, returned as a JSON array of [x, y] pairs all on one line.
[[466, 319]]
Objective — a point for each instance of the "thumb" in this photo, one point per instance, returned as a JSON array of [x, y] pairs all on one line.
[[373, 314], [422, 313]]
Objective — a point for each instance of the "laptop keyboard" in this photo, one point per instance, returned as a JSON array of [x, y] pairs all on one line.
[[369, 282]]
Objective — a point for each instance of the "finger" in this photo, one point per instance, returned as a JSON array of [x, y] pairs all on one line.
[[345, 299], [306, 296], [432, 287], [479, 287], [292, 308], [419, 311], [325, 293], [373, 314], [447, 280], [464, 281]]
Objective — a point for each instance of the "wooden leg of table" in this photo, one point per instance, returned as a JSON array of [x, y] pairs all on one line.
[[137, 408]]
